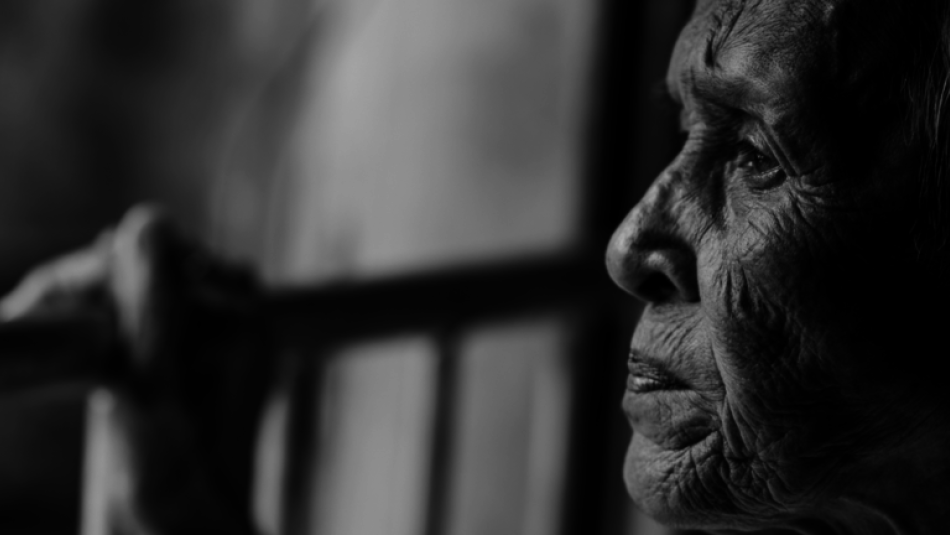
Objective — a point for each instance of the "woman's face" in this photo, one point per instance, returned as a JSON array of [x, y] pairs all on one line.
[[777, 364]]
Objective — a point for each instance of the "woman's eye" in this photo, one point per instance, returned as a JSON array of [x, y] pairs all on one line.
[[760, 168], [752, 159]]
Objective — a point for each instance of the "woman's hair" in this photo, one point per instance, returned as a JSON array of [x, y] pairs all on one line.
[[926, 91]]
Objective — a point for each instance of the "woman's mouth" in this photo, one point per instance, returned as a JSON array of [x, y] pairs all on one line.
[[662, 408], [647, 375]]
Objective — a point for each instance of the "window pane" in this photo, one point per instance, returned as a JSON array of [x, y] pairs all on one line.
[[508, 474], [374, 436], [431, 132]]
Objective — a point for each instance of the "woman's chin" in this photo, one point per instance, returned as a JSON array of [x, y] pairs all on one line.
[[673, 486]]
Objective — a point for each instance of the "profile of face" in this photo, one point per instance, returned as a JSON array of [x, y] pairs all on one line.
[[786, 368]]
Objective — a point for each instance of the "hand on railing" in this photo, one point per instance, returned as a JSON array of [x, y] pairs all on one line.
[[174, 335]]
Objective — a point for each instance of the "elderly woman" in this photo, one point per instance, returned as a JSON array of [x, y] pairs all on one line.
[[786, 372]]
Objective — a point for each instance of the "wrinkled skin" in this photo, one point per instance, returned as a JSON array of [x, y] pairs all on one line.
[[784, 296]]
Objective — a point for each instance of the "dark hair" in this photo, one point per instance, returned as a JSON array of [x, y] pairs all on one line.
[[917, 73], [926, 90]]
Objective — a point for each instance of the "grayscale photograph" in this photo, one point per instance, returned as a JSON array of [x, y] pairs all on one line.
[[474, 267]]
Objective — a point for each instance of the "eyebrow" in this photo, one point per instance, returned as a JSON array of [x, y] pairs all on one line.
[[726, 92]]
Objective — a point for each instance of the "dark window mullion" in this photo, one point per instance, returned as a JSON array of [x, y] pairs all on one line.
[[443, 432], [304, 375]]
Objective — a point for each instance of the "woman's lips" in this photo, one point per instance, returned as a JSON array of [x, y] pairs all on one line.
[[647, 375], [663, 408]]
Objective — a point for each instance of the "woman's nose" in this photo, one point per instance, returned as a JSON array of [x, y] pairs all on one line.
[[649, 257]]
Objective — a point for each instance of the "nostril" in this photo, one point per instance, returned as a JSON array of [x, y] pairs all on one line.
[[656, 288], [654, 265]]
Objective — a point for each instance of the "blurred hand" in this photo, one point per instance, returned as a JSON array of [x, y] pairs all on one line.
[[187, 376]]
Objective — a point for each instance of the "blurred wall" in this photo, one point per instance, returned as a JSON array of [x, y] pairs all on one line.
[[104, 103], [434, 148]]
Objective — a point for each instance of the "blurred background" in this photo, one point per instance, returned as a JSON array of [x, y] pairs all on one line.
[[472, 155]]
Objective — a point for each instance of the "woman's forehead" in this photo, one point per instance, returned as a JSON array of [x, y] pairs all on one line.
[[774, 41], [768, 25]]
